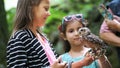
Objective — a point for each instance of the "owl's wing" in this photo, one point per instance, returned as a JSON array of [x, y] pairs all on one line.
[[95, 39]]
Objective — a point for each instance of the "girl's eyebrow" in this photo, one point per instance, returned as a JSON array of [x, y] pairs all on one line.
[[47, 2]]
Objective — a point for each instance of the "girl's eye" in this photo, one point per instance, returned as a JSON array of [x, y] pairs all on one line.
[[46, 8], [70, 31]]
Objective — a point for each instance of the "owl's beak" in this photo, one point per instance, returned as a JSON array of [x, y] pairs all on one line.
[[80, 36]]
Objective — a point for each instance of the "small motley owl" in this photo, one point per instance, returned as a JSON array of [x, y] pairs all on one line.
[[100, 46]]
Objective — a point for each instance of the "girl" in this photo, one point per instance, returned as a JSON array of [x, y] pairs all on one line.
[[74, 45], [28, 47]]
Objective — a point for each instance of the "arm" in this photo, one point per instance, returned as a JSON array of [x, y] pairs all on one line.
[[104, 62], [85, 62], [16, 54], [110, 38], [77, 64]]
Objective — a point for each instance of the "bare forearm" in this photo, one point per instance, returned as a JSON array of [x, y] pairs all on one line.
[[77, 65], [85, 62], [104, 62], [111, 38]]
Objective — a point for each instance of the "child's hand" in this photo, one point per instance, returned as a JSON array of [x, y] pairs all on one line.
[[88, 59], [59, 64]]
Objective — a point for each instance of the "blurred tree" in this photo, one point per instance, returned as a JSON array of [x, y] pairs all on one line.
[[89, 9], [3, 32], [60, 8]]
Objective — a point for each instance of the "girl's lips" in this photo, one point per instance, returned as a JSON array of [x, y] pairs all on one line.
[[45, 17], [77, 39]]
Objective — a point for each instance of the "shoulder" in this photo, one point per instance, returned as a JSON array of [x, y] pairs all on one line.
[[65, 57], [21, 33], [20, 36], [65, 54]]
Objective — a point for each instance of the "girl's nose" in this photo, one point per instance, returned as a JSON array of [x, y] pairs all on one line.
[[76, 33], [48, 13]]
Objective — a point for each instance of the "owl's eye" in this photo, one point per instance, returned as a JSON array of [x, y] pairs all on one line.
[[83, 30]]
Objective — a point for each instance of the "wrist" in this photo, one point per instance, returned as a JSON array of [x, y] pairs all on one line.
[[78, 64], [103, 59]]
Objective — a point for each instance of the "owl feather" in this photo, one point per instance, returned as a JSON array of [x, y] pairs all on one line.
[[86, 34]]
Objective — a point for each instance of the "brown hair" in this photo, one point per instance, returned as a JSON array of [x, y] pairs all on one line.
[[62, 29], [66, 44], [24, 13]]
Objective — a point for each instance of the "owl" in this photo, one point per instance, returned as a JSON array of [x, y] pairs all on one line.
[[100, 46]]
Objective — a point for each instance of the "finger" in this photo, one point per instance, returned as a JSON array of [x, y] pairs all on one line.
[[115, 17], [59, 59], [93, 58], [64, 63], [87, 54]]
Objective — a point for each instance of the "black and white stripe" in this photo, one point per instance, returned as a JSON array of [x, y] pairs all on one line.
[[25, 51]]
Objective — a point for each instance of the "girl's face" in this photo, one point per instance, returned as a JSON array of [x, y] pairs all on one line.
[[72, 33], [41, 12]]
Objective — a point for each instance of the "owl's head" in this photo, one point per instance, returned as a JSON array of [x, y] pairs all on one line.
[[84, 31]]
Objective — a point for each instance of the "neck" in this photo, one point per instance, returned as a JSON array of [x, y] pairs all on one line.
[[77, 51], [76, 48], [33, 29]]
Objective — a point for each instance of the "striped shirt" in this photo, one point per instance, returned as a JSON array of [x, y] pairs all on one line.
[[25, 51]]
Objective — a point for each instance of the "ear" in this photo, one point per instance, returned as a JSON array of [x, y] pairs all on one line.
[[63, 36]]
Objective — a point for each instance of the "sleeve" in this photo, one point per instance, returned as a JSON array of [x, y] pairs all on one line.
[[16, 54], [104, 28]]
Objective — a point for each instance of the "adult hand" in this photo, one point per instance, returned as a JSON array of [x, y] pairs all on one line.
[[116, 17], [59, 64], [113, 24]]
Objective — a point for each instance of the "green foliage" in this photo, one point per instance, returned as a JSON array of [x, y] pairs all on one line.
[[3, 34], [10, 18], [52, 23], [54, 19], [59, 9]]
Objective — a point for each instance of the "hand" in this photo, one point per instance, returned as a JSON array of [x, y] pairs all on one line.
[[116, 17], [113, 24], [59, 64], [88, 59]]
